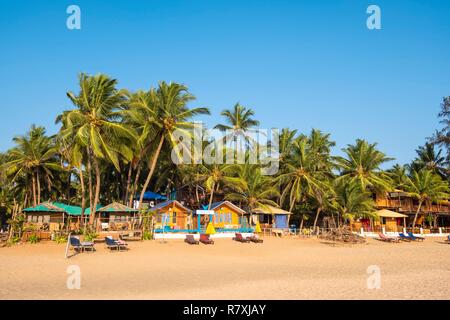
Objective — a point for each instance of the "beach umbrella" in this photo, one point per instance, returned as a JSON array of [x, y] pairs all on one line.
[[210, 229], [258, 228]]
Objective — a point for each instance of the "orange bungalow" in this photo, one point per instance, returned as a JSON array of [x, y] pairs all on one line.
[[172, 216]]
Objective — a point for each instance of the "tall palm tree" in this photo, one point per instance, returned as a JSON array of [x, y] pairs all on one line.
[[302, 177], [215, 175], [95, 126], [351, 201], [239, 119], [167, 108], [430, 158], [363, 164], [34, 156], [254, 189], [425, 185], [399, 176]]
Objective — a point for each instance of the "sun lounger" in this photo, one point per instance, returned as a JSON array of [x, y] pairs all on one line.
[[204, 238], [190, 239], [81, 246], [404, 237], [388, 239], [115, 244], [255, 239], [239, 238], [415, 238]]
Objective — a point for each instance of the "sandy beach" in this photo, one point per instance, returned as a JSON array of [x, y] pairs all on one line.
[[277, 269]]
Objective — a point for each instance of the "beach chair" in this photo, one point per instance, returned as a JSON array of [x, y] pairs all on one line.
[[447, 240], [403, 237], [81, 246], [204, 238], [415, 238], [239, 238], [190, 239], [388, 239], [112, 244], [255, 239]]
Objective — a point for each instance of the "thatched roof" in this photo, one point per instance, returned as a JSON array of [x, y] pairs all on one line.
[[117, 207], [271, 210], [390, 214]]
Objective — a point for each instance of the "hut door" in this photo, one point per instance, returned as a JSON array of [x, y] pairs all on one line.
[[281, 221]]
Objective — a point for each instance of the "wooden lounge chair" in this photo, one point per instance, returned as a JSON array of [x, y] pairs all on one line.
[[415, 238], [239, 238], [255, 239], [204, 238], [404, 237], [388, 239], [190, 239]]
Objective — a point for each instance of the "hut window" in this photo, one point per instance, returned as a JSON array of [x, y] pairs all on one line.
[[174, 218], [230, 218], [29, 218], [112, 218], [47, 219], [34, 219], [40, 218]]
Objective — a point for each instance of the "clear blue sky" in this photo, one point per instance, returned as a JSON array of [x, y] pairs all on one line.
[[298, 64]]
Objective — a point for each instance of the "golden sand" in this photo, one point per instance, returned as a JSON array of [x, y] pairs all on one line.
[[277, 269]]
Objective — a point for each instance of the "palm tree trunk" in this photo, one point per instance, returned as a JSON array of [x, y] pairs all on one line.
[[127, 190], [417, 213], [83, 196], [152, 169], [33, 177], [211, 197], [97, 186], [38, 183], [91, 195], [319, 210], [135, 184]]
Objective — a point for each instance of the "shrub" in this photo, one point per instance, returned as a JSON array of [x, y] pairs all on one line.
[[60, 239], [33, 239], [147, 235]]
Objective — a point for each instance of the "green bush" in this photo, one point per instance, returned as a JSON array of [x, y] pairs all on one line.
[[60, 239], [147, 235], [34, 239], [90, 236]]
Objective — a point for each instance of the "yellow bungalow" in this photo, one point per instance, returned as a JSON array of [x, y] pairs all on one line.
[[227, 215]]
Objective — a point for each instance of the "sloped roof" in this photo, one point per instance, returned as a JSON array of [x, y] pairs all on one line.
[[216, 205], [164, 204], [56, 207], [271, 210], [117, 207], [390, 214], [150, 195]]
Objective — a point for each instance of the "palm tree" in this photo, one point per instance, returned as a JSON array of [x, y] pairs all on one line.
[[167, 108], [302, 177], [215, 175], [239, 119], [399, 176], [362, 164], [254, 190], [425, 185], [429, 158], [95, 126], [33, 156], [351, 201]]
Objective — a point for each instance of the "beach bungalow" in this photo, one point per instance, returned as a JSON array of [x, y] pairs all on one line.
[[272, 217], [49, 217], [172, 216], [227, 216], [117, 216]]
